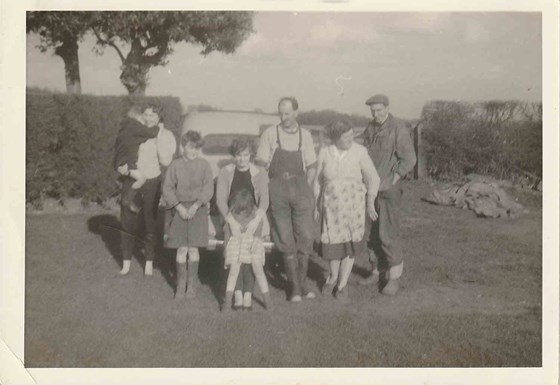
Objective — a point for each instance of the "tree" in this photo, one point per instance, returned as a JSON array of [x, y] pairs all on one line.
[[61, 31], [149, 37]]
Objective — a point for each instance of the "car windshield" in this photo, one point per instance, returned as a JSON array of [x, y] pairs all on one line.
[[218, 144]]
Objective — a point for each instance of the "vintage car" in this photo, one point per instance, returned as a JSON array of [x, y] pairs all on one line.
[[218, 129]]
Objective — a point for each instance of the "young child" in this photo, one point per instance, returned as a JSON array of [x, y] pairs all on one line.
[[187, 189], [132, 134], [244, 254]]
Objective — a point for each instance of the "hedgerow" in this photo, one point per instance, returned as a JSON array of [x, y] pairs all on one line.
[[502, 139], [70, 141]]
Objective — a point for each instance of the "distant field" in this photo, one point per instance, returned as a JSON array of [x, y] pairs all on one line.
[[471, 297]]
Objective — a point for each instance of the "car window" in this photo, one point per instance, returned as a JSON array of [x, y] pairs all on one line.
[[218, 144]]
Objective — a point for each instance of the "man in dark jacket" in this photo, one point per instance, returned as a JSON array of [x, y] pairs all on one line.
[[391, 149]]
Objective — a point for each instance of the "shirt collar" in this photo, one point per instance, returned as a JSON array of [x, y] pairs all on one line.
[[339, 154], [286, 132], [253, 170]]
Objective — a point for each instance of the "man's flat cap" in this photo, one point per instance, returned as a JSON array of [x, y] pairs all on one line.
[[378, 99]]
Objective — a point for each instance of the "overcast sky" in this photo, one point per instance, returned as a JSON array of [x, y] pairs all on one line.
[[412, 57]]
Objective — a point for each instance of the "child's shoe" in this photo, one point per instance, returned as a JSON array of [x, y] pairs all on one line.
[[267, 301], [238, 300], [328, 288], [342, 293], [296, 299], [149, 269], [248, 302], [126, 267]]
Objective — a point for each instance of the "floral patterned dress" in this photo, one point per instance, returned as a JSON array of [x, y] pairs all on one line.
[[343, 200]]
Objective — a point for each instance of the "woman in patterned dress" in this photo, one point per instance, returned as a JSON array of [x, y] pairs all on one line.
[[345, 188]]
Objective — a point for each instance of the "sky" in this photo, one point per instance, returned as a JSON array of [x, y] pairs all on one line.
[[336, 61]]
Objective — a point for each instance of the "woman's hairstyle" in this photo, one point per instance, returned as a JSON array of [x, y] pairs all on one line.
[[193, 137], [153, 105], [242, 202], [138, 109], [336, 129], [242, 144]]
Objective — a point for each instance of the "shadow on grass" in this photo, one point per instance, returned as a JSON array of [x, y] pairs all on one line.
[[276, 273], [109, 228], [211, 269], [211, 272]]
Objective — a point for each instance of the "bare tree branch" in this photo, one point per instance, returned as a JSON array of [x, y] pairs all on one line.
[[109, 43]]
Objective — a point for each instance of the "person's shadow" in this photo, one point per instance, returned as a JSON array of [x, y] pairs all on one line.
[[211, 271], [109, 228]]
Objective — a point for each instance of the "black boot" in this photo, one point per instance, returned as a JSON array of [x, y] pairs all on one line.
[[290, 264], [303, 265]]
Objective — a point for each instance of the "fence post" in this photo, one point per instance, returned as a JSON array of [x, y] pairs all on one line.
[[420, 166]]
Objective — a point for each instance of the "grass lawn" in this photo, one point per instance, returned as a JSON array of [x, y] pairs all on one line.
[[471, 297]]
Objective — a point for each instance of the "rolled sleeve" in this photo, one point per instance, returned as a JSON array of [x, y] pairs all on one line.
[[308, 150], [369, 172], [264, 150], [405, 152]]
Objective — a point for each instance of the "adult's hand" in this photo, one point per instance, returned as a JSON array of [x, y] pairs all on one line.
[[191, 211], [234, 226], [182, 211], [255, 245], [123, 170], [371, 211], [252, 226]]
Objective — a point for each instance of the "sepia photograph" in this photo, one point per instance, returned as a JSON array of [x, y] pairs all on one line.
[[272, 188]]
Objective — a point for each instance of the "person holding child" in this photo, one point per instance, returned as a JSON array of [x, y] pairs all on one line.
[[242, 199], [345, 188], [152, 154], [132, 134], [187, 190]]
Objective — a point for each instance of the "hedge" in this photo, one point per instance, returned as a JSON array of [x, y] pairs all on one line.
[[70, 141], [502, 139]]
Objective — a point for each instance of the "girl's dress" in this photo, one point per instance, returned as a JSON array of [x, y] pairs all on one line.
[[238, 248]]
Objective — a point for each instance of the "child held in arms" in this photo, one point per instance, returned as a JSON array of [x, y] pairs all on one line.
[[133, 132]]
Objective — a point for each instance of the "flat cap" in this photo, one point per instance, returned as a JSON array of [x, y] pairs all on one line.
[[378, 99]]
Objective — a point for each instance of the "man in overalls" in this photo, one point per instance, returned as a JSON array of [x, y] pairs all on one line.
[[391, 149], [287, 151]]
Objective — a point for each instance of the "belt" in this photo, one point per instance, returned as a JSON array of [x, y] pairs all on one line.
[[287, 176]]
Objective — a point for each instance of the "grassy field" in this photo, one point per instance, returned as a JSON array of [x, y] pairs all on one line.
[[471, 297]]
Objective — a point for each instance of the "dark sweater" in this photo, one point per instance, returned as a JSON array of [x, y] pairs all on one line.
[[131, 135]]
